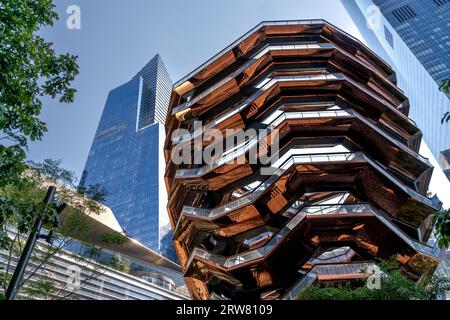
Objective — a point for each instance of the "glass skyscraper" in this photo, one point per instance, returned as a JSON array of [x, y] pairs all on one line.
[[126, 156], [424, 26], [413, 37]]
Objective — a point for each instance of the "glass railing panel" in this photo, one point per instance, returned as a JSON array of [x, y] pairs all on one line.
[[309, 278], [376, 97], [262, 86], [274, 241], [433, 251], [281, 235], [413, 193], [252, 195], [323, 158], [248, 198], [301, 285], [245, 199]]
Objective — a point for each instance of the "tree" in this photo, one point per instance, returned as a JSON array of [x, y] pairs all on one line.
[[29, 70], [394, 286], [118, 263], [442, 228], [21, 202]]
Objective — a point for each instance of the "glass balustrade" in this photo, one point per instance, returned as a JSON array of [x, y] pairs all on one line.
[[392, 138], [306, 115], [248, 64], [341, 209], [413, 193], [295, 159], [239, 151], [337, 269], [236, 43], [300, 286], [283, 116], [225, 158], [276, 239], [267, 83], [261, 87], [253, 195], [343, 254]]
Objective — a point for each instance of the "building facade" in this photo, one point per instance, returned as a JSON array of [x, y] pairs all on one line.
[[344, 184], [126, 158], [424, 26], [413, 37], [89, 268], [75, 277]]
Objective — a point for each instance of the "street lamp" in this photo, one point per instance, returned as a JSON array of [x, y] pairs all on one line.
[[19, 272]]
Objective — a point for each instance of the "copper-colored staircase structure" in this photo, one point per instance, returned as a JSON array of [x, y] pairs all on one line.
[[348, 188]]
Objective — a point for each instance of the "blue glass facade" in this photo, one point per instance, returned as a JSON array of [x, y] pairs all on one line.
[[126, 157], [401, 44], [414, 76], [424, 26]]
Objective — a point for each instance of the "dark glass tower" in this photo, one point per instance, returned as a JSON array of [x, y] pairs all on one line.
[[424, 26], [126, 159]]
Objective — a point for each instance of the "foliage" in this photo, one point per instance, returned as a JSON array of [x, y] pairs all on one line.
[[5, 241], [75, 225], [29, 70], [91, 251], [445, 87], [11, 163], [52, 170], [120, 263], [442, 226], [394, 286], [95, 192], [39, 289], [20, 204], [437, 286], [111, 238]]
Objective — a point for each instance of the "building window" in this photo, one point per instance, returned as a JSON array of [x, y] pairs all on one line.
[[441, 2], [403, 13], [388, 36]]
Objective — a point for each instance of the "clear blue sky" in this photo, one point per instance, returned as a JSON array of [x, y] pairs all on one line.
[[118, 37]]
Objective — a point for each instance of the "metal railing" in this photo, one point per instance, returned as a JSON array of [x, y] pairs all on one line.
[[236, 42], [310, 277], [250, 62], [255, 254], [307, 115], [268, 82], [240, 151], [184, 173], [340, 209], [253, 195]]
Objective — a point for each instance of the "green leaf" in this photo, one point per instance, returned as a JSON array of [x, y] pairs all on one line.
[[30, 70]]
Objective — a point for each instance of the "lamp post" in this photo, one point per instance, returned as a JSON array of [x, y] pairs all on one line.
[[19, 272]]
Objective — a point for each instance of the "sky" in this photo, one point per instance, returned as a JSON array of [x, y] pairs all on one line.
[[118, 37]]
